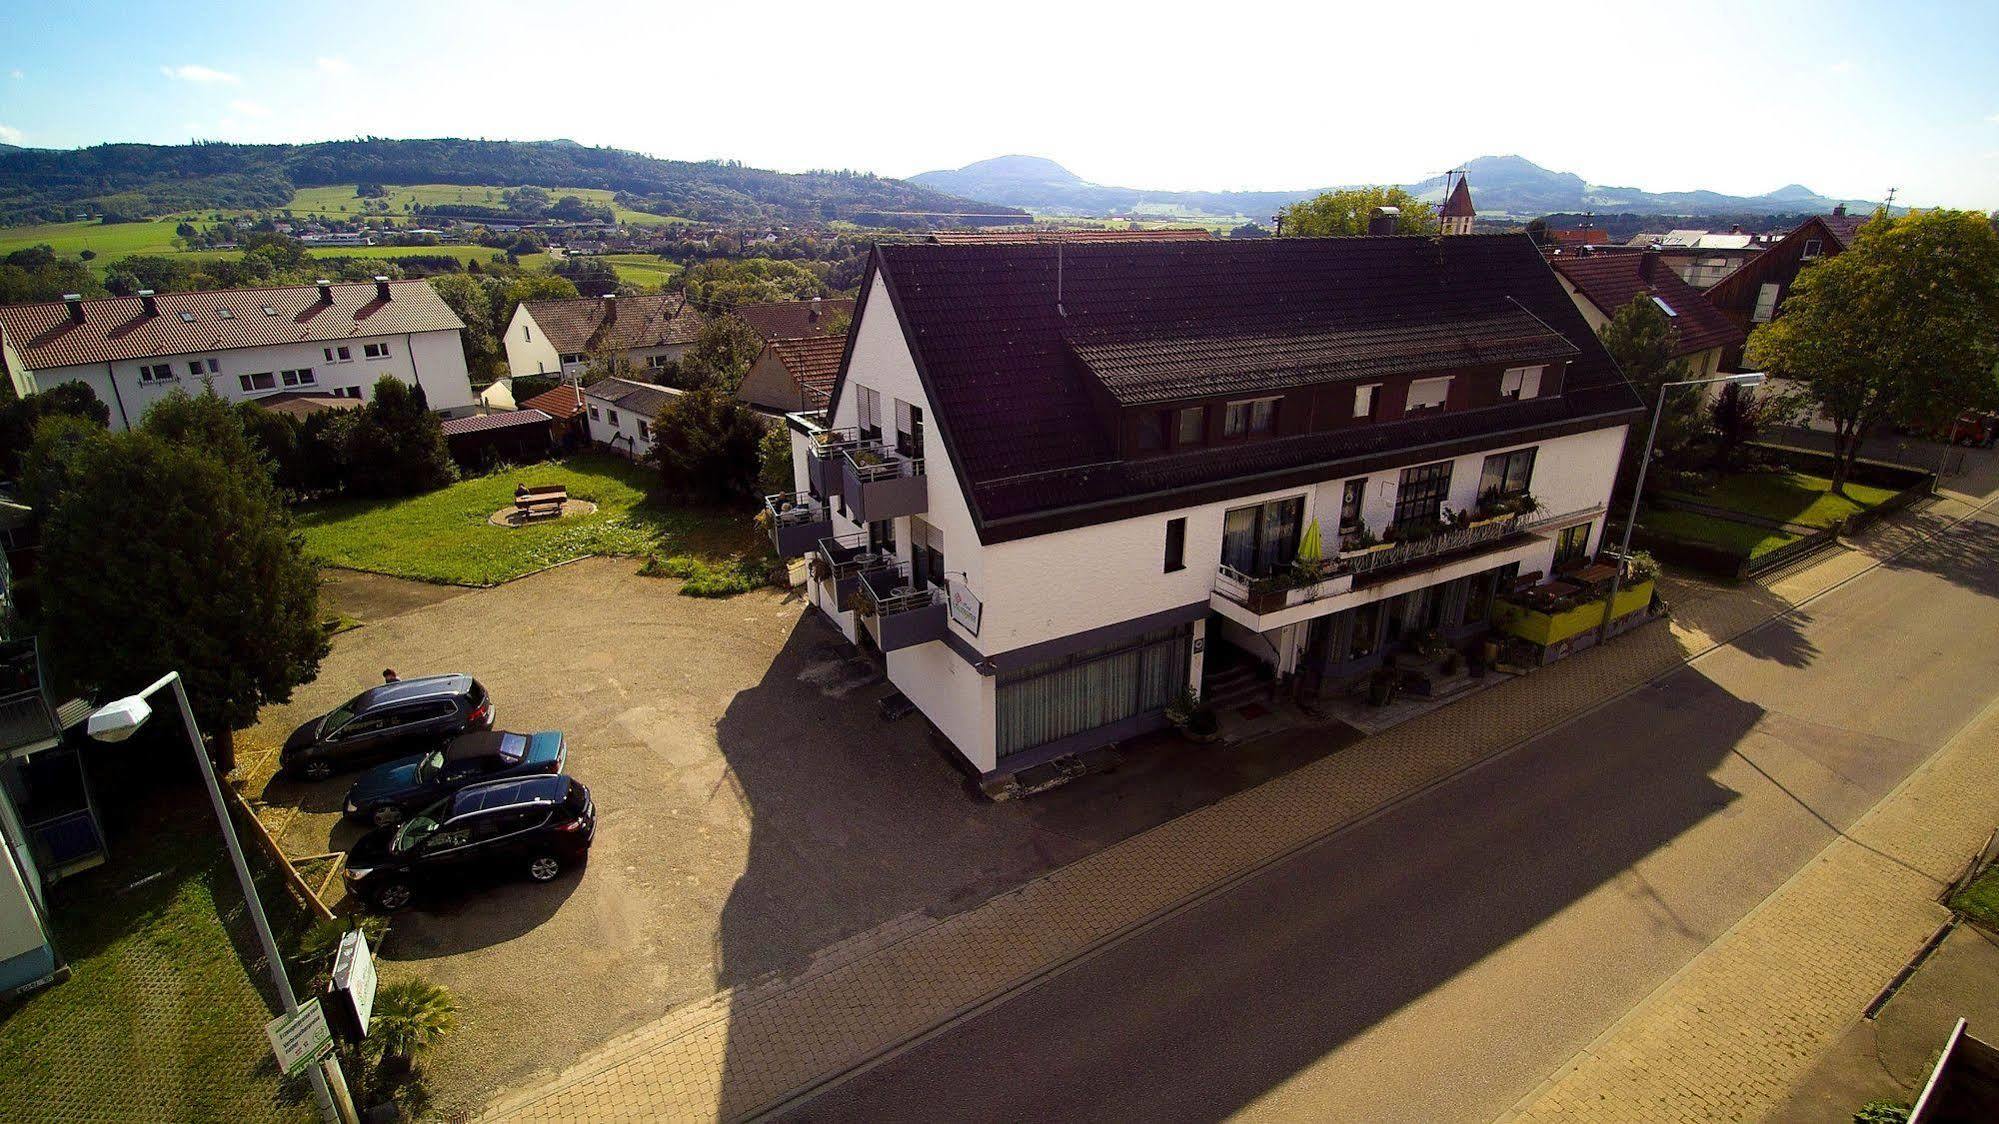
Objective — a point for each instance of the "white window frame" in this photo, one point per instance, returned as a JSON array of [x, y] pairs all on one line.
[[372, 351], [1517, 383], [301, 376], [611, 419], [593, 413], [1813, 248], [150, 373], [248, 381], [1441, 385], [1363, 399], [1766, 303], [645, 431]]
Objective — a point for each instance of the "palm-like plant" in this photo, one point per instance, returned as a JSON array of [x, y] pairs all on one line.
[[410, 1016]]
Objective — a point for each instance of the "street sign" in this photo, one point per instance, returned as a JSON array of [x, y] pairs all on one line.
[[300, 1039], [352, 990]]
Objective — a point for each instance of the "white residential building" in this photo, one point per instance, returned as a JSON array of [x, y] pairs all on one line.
[[563, 336], [333, 339], [1057, 485], [619, 413]]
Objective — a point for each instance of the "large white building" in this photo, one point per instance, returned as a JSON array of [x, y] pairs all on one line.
[[333, 338], [1056, 483]]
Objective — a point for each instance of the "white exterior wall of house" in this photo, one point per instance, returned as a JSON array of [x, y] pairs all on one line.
[[528, 350], [630, 434], [434, 360]]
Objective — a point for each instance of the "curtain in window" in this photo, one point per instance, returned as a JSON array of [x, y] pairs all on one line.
[[1087, 690], [1279, 543], [1239, 539]]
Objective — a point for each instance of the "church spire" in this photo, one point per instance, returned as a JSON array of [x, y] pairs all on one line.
[[1457, 212]]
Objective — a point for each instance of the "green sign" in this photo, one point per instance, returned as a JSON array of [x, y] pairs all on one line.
[[301, 1038]]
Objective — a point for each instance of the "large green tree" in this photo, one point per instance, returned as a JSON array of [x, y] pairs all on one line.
[[1904, 325], [1345, 213], [716, 286], [721, 355], [168, 548], [19, 417], [395, 445], [1642, 339], [708, 443], [471, 298]]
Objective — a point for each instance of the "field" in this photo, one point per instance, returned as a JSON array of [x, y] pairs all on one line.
[[339, 201], [640, 269]]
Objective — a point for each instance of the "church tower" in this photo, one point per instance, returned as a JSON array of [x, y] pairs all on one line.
[[1457, 212]]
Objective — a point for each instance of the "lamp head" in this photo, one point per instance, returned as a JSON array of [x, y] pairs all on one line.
[[116, 721], [1748, 378]]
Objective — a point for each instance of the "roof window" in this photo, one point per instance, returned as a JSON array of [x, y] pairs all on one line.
[[225, 314], [1664, 307], [269, 311], [187, 316]]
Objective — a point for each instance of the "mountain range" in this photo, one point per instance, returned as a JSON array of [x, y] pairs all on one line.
[[1501, 186]]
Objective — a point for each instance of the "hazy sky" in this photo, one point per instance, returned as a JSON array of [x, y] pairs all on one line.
[[1846, 98]]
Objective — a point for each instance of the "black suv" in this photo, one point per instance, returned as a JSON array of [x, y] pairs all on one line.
[[392, 720], [533, 826]]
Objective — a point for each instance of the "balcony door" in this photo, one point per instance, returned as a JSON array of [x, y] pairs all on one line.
[[908, 430], [1257, 540]]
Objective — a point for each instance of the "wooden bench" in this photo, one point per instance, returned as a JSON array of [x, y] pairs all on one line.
[[543, 501]]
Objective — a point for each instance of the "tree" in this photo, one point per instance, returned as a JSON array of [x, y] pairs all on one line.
[[161, 554], [1736, 416], [716, 286], [708, 443], [721, 355], [19, 418], [1537, 229], [471, 302], [1903, 325], [1345, 213], [775, 453], [527, 287], [1642, 339], [396, 445]]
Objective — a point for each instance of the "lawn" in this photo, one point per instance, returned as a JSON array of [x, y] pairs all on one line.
[[339, 201], [444, 536], [640, 269], [1980, 900], [1691, 526], [1791, 497], [114, 240], [162, 1017]]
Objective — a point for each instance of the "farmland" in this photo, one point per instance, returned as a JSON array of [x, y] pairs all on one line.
[[340, 202]]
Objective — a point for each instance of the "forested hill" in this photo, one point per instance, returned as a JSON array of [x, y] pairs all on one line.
[[143, 180]]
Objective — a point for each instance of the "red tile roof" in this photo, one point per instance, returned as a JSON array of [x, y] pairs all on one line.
[[116, 328], [562, 402], [589, 324], [1458, 206], [790, 320], [812, 361], [1610, 281], [1592, 236], [1844, 228], [480, 423]]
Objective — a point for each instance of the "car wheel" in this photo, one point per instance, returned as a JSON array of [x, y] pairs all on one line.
[[394, 896], [387, 815], [317, 769], [544, 868]]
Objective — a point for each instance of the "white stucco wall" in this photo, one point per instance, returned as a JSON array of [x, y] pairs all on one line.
[[623, 436], [528, 349]]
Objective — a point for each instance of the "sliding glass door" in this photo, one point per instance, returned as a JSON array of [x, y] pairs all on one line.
[[1257, 540]]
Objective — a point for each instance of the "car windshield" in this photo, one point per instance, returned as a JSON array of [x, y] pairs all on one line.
[[513, 747], [431, 765], [339, 716], [412, 834]]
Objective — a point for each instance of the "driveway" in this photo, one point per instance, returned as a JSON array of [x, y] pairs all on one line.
[[754, 808]]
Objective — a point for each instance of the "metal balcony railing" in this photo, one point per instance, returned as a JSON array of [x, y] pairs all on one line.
[[873, 461], [791, 509]]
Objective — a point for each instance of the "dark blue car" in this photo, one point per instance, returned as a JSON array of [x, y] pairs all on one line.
[[386, 794]]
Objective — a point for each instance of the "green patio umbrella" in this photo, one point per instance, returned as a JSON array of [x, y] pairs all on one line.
[[1310, 552]]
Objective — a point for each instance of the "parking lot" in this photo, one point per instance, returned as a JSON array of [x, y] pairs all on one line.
[[754, 809]]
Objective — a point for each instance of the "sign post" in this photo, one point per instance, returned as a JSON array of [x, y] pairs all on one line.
[[300, 1039]]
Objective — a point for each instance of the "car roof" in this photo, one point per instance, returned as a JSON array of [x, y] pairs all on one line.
[[410, 690], [539, 789], [479, 743]]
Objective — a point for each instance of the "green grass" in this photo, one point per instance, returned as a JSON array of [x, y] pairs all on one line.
[[1692, 526], [162, 1017], [639, 269], [1980, 900], [1791, 497], [115, 240], [444, 536], [704, 579], [339, 201]]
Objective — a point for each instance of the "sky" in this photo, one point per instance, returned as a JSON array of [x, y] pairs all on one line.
[[1847, 98]]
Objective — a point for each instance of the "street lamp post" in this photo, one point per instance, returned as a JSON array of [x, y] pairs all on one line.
[[116, 721], [1747, 378]]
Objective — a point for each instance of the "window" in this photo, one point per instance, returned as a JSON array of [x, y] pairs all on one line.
[[157, 372], [593, 413], [1243, 419], [926, 553], [1766, 303], [645, 431], [572, 358], [657, 361], [370, 351], [1176, 545], [1191, 427], [301, 377], [269, 311], [194, 368], [1419, 495], [1257, 540], [868, 404], [1350, 501], [1520, 382], [338, 354], [1664, 307], [1428, 394], [1813, 247], [1506, 474], [1083, 691], [1152, 431], [262, 380], [908, 429], [1363, 400], [1573, 544], [611, 418], [527, 333], [225, 314]]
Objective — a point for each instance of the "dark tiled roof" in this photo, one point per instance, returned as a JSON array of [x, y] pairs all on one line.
[[480, 423], [1459, 206], [1610, 281], [627, 394], [1030, 234], [790, 320], [586, 325], [116, 328], [1015, 405], [561, 402], [1844, 228], [812, 361]]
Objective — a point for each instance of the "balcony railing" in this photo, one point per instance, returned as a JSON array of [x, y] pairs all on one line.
[[881, 483], [796, 521], [898, 611], [842, 559], [825, 458]]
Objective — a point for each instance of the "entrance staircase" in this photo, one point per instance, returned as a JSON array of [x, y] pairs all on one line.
[[1235, 684]]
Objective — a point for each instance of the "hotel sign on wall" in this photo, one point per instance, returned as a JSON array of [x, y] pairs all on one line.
[[965, 607]]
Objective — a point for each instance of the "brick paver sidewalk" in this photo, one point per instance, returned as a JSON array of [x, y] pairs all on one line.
[[745, 1050]]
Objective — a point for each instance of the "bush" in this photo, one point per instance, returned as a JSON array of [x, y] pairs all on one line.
[[395, 446], [1882, 1112], [708, 443], [705, 579]]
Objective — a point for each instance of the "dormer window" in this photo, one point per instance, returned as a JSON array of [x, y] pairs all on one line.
[[1813, 248], [1520, 382], [1152, 430], [1363, 400], [1254, 418], [1190, 427], [1428, 394]]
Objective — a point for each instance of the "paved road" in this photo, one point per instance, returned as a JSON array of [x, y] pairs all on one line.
[[1437, 962]]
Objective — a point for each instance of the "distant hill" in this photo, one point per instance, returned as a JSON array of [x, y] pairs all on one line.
[[1500, 185], [142, 180]]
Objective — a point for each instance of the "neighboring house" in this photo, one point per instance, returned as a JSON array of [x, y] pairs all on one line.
[[1601, 284], [795, 374], [1569, 241], [1701, 257], [332, 339], [565, 406], [790, 320], [551, 337], [620, 413], [1754, 294], [302, 406], [1054, 517]]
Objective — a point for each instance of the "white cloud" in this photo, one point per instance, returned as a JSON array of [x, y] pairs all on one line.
[[250, 108], [16, 74], [10, 135], [194, 73], [335, 65], [1994, 119], [1843, 66]]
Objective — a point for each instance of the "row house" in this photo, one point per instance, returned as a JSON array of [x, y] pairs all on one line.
[[1057, 483], [562, 337], [330, 340]]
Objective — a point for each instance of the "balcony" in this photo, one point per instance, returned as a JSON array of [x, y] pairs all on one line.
[[27, 720], [842, 559], [900, 613], [879, 483], [796, 522], [825, 456]]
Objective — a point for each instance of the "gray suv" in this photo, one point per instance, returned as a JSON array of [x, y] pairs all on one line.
[[392, 720]]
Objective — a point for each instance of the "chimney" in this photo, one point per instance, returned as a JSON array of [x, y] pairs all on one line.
[[1839, 209], [813, 313], [1383, 220], [147, 302], [1736, 229], [325, 291], [75, 303], [610, 307], [381, 288]]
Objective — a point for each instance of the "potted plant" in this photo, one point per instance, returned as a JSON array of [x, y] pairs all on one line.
[[1382, 685], [1640, 567], [1181, 710], [1454, 662], [1202, 726]]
